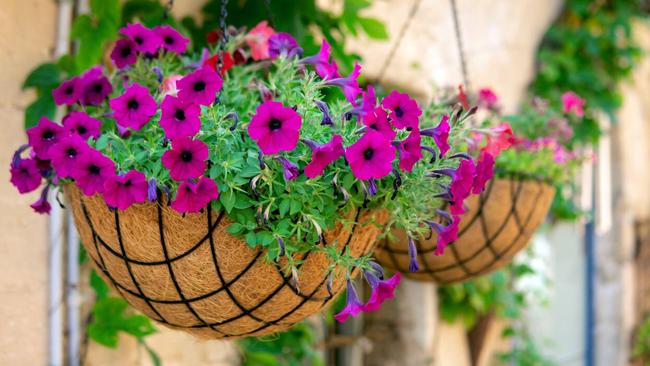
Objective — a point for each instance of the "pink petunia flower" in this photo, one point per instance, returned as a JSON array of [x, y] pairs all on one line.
[[193, 197], [43, 136], [321, 62], [169, 85], [323, 155], [410, 151], [200, 86], [283, 44], [447, 235], [123, 53], [484, 172], [498, 139], [461, 186], [186, 159], [146, 40], [134, 108], [122, 191], [371, 156], [25, 175], [352, 304], [66, 153], [171, 39], [95, 87], [79, 123], [91, 171], [382, 291], [487, 98], [378, 121], [349, 85], [68, 92], [258, 40], [404, 111], [275, 127], [571, 102], [179, 118], [42, 206]]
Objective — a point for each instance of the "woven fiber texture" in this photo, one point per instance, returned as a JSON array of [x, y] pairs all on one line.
[[188, 273], [497, 225]]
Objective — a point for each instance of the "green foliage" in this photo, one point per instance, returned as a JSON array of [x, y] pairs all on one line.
[[294, 347], [524, 351], [641, 348], [43, 79]]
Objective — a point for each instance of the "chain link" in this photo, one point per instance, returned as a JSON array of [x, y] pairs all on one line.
[[269, 13], [459, 43], [398, 41]]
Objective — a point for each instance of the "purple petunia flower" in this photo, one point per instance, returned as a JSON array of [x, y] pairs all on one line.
[[68, 92], [414, 266], [323, 155], [483, 173], [193, 197], [134, 108], [79, 123], [321, 62], [275, 127], [382, 290], [327, 118], [124, 53], [25, 175], [95, 87], [440, 135], [290, 169], [186, 159], [146, 40], [352, 304], [171, 39], [200, 86], [43, 136], [447, 235], [378, 121], [42, 206], [349, 84], [122, 191], [179, 118], [371, 156], [461, 186], [283, 44], [91, 171], [66, 153], [152, 190], [404, 111], [410, 151], [368, 102]]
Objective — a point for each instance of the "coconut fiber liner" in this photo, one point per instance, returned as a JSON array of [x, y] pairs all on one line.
[[498, 223], [188, 273]]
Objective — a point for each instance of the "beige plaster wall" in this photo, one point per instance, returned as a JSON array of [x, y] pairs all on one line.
[[27, 30]]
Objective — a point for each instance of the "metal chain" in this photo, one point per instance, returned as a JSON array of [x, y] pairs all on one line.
[[168, 9], [223, 26], [398, 41], [459, 43], [269, 14]]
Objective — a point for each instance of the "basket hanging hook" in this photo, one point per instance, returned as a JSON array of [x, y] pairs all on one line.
[[459, 43]]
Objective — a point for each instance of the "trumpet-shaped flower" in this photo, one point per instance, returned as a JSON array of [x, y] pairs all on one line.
[[371, 156], [404, 111], [275, 127], [122, 191], [192, 197], [186, 159], [134, 108]]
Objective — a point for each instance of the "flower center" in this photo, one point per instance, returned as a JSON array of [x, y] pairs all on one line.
[[48, 135], [97, 88], [138, 40], [126, 52], [71, 152], [133, 104], [93, 169], [81, 130], [169, 40], [275, 124], [199, 86], [127, 183], [374, 127], [368, 153], [68, 90], [399, 112], [180, 115], [186, 156]]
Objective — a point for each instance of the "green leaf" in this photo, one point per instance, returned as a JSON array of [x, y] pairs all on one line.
[[99, 286], [45, 76], [228, 200], [107, 10], [43, 106], [374, 28], [265, 238], [236, 228], [295, 207]]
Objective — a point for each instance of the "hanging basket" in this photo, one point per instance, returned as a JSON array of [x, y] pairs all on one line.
[[497, 225], [188, 273]]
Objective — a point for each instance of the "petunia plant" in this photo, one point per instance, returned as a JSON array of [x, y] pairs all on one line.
[[256, 137]]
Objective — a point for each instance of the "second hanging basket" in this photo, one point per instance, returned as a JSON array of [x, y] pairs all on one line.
[[497, 225], [187, 272]]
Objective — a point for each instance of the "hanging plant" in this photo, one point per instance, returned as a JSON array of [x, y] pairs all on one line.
[[220, 193]]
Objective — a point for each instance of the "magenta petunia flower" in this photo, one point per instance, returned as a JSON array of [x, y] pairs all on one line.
[[200, 86], [440, 135], [79, 123], [186, 159], [171, 39], [283, 44], [352, 304], [487, 98], [91, 170], [25, 175], [66, 153], [146, 40], [43, 136], [124, 53], [368, 102], [381, 291], [447, 235], [179, 118], [290, 170], [461, 186], [122, 191], [410, 151], [371, 156], [571, 102], [484, 172], [323, 155], [349, 84], [42, 206], [134, 108], [414, 265], [378, 121], [95, 87], [321, 62], [404, 111], [275, 127], [68, 92], [193, 197]]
